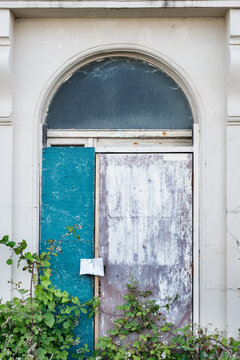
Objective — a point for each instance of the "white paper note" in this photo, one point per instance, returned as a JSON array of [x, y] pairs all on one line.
[[92, 267]]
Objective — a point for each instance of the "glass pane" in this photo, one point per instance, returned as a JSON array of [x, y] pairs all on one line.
[[119, 93]]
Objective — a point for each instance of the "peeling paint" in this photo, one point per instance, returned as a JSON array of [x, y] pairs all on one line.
[[146, 230]]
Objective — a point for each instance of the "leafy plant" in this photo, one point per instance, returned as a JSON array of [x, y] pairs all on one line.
[[142, 332], [39, 323], [199, 344]]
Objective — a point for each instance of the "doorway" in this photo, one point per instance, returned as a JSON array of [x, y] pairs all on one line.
[[130, 123], [145, 230]]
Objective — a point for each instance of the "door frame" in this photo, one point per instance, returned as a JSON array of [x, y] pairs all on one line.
[[144, 141]]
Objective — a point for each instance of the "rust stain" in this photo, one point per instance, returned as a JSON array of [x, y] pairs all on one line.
[[135, 143], [164, 133]]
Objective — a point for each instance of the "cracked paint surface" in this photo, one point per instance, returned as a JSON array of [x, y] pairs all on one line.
[[146, 230]]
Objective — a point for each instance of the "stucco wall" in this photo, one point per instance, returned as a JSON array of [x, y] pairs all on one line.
[[198, 47]]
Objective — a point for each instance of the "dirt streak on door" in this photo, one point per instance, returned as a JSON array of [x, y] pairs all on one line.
[[145, 230]]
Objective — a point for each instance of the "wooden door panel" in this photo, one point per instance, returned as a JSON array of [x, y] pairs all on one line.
[[68, 199], [145, 230]]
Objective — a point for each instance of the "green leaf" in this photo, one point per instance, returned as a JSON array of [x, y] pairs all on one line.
[[224, 342], [4, 239], [23, 330], [29, 257], [9, 261], [49, 319], [66, 324], [11, 244], [77, 312], [58, 293], [41, 353], [65, 299], [24, 244]]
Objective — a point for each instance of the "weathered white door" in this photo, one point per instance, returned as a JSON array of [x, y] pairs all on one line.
[[145, 230]]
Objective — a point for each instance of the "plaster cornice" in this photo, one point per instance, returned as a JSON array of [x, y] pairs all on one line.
[[125, 8], [228, 4]]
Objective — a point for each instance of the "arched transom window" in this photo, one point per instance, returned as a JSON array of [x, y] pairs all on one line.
[[119, 93]]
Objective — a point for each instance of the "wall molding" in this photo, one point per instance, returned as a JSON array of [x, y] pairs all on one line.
[[226, 4], [119, 9], [123, 49], [233, 47], [6, 123], [6, 44], [233, 121]]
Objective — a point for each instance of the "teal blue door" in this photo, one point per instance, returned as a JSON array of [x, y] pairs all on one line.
[[67, 200]]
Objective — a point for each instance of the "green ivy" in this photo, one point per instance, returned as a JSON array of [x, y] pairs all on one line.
[[141, 332], [39, 323]]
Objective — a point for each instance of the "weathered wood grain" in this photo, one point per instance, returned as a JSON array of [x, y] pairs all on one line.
[[146, 230]]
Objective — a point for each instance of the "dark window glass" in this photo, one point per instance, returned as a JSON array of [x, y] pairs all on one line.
[[119, 93]]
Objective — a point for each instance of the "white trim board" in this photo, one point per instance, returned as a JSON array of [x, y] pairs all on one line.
[[150, 149], [143, 134]]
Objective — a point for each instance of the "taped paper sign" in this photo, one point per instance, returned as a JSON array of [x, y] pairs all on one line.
[[92, 267]]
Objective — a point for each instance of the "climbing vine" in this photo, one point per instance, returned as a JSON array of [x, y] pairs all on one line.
[[142, 333], [39, 323]]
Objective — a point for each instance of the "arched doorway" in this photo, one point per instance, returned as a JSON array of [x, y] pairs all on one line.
[[119, 145]]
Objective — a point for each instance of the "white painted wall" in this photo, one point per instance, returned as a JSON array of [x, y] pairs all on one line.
[[5, 205], [233, 229], [198, 47], [233, 174], [6, 48]]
